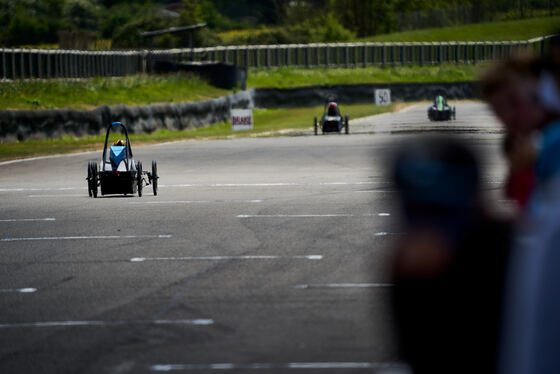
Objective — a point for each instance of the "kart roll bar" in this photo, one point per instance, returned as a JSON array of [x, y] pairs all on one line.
[[128, 148]]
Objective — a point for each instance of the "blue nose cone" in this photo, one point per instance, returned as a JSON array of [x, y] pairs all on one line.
[[118, 153]]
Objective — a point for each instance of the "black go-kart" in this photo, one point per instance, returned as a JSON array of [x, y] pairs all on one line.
[[332, 120], [440, 110], [118, 173]]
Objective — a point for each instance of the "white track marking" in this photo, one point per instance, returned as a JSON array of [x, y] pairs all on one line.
[[222, 258], [384, 214], [342, 285], [302, 215], [20, 290], [369, 191], [59, 195], [279, 184], [197, 322], [87, 237], [268, 366], [44, 158], [193, 202], [27, 219], [202, 185], [31, 189]]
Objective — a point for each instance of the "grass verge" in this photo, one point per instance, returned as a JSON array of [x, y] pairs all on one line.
[[288, 77], [504, 30], [268, 122], [92, 93], [499, 30], [144, 89]]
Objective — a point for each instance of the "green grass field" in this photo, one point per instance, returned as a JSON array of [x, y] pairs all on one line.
[[145, 89], [268, 122], [500, 30], [504, 30], [297, 77], [92, 93]]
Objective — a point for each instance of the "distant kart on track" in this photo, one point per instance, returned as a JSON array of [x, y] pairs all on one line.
[[440, 110], [332, 120], [118, 173]]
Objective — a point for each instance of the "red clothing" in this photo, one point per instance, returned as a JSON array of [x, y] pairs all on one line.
[[520, 185]]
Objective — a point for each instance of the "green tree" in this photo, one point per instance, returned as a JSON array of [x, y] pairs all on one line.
[[82, 14]]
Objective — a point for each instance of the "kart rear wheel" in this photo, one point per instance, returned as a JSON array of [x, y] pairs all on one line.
[[154, 177], [453, 113], [139, 177], [93, 178], [315, 125], [346, 129], [89, 172]]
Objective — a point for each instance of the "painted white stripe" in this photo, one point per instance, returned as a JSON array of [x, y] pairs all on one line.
[[87, 237], [30, 189], [369, 191], [202, 185], [384, 214], [277, 184], [198, 322], [27, 219], [343, 285], [193, 202], [302, 215], [268, 366], [59, 195], [44, 158], [20, 290], [222, 258]]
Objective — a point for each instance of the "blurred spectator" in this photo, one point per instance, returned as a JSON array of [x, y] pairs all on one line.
[[512, 90], [531, 333], [449, 268], [521, 153]]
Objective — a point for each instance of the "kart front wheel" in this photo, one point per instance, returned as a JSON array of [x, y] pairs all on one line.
[[346, 129], [139, 178], [454, 112], [154, 177]]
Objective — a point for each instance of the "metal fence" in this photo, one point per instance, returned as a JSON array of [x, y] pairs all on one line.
[[45, 64]]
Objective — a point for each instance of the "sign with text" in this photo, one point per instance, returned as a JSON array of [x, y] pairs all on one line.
[[241, 119], [382, 97]]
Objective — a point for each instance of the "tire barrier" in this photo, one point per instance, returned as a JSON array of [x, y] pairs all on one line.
[[41, 124], [362, 93]]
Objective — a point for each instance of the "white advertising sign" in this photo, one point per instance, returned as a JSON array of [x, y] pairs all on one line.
[[241, 119], [382, 97]]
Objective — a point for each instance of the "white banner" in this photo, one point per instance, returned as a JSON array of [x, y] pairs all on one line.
[[241, 119], [382, 97]]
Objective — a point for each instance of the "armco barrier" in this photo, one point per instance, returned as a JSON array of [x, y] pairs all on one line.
[[38, 124], [45, 64]]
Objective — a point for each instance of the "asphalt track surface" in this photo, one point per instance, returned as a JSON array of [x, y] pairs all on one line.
[[258, 255]]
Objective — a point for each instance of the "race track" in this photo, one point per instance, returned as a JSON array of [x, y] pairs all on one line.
[[258, 255]]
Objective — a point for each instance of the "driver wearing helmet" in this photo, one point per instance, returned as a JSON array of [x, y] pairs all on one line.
[[333, 110]]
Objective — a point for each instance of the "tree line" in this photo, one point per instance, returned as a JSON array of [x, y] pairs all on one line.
[[33, 22]]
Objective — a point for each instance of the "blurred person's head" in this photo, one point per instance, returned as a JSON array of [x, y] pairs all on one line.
[[511, 89], [438, 182]]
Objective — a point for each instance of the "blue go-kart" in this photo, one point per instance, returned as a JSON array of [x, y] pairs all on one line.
[[118, 173]]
